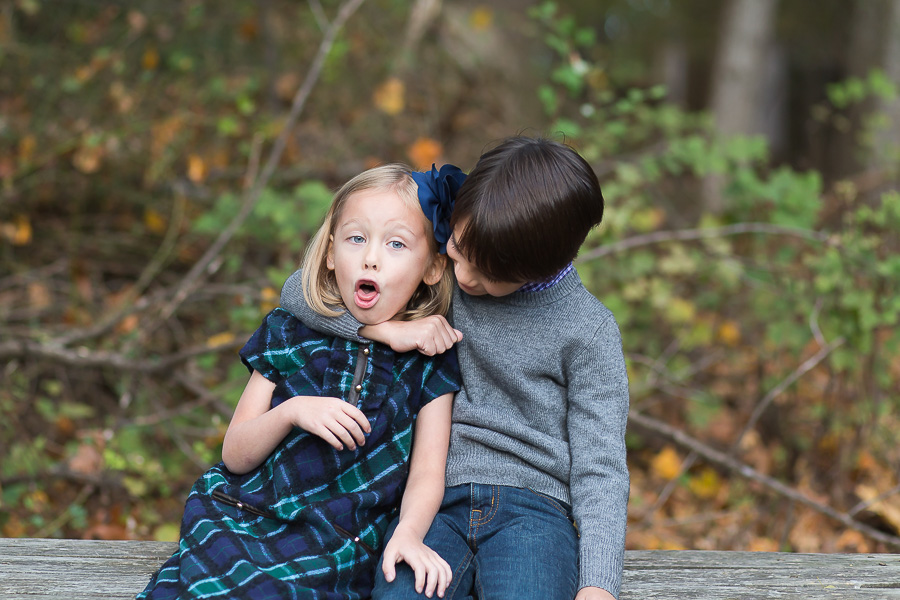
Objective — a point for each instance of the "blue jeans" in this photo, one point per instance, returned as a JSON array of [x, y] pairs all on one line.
[[501, 542]]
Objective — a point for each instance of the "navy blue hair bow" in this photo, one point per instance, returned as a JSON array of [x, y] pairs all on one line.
[[437, 194]]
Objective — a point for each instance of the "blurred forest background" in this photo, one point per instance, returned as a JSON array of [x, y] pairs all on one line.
[[163, 163]]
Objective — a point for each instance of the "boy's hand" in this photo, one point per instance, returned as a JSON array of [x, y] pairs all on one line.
[[593, 593], [432, 572], [335, 421], [429, 335]]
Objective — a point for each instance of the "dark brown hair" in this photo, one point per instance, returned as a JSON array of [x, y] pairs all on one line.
[[526, 208]]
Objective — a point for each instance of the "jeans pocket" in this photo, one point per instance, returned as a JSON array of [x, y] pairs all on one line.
[[558, 505]]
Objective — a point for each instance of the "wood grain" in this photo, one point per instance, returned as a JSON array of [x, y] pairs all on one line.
[[93, 570]]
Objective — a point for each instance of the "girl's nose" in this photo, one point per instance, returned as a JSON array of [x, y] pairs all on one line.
[[371, 259]]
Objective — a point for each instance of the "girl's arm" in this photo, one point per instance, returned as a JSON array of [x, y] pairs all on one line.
[[255, 429], [421, 501]]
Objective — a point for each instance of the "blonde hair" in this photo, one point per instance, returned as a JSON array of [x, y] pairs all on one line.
[[320, 289]]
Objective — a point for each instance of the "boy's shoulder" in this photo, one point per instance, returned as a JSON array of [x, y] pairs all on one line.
[[578, 304]]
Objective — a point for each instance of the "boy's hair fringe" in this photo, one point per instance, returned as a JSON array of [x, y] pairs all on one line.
[[526, 208]]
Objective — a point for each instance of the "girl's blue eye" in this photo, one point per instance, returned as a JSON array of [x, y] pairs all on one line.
[[357, 239], [397, 245]]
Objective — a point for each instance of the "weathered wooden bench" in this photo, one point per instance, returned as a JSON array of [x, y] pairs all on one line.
[[80, 570]]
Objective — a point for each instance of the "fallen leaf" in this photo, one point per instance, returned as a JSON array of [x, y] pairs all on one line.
[[220, 339], [270, 299], [390, 96], [707, 484], [424, 152], [88, 159], [87, 460], [286, 86], [666, 464], [763, 545], [197, 169], [127, 324], [729, 333], [18, 232], [27, 146], [481, 18], [106, 531], [154, 221], [150, 59], [38, 296]]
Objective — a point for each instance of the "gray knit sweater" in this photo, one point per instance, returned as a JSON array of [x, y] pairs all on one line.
[[544, 404]]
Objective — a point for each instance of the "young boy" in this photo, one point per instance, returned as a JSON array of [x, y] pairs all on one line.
[[537, 481]]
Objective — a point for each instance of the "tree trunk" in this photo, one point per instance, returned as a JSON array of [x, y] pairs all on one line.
[[739, 72], [887, 140], [739, 77]]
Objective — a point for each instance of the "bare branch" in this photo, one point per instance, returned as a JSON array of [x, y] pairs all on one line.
[[682, 235], [196, 274], [84, 357], [763, 404], [727, 462]]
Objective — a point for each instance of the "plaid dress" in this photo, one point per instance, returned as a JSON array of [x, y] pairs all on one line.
[[308, 522]]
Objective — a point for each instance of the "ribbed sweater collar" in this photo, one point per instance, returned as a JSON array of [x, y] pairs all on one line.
[[560, 290]]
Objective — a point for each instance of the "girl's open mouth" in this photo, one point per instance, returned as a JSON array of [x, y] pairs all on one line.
[[366, 293]]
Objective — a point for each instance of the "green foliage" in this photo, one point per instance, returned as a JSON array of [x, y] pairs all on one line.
[[776, 295], [288, 219]]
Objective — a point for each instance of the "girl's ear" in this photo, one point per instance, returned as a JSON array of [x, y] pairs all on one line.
[[329, 255], [435, 270]]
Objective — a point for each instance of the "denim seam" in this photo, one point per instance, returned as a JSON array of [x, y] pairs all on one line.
[[457, 575], [495, 493], [552, 502]]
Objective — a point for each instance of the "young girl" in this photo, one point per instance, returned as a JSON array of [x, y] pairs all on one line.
[[318, 451]]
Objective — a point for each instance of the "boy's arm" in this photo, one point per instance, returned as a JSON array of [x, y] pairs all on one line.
[[599, 483], [421, 501], [430, 335], [292, 300]]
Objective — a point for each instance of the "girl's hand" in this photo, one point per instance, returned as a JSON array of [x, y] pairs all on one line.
[[432, 572], [335, 421], [429, 335]]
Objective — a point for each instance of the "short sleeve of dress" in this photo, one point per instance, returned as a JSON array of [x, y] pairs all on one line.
[[269, 349], [442, 378]]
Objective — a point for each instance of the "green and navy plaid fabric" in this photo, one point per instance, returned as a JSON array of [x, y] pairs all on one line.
[[309, 522]]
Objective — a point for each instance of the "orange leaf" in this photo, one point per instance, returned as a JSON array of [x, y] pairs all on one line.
[[424, 152], [249, 29], [87, 460], [18, 232], [150, 59], [88, 159], [38, 295], [220, 339], [27, 146], [197, 170], [666, 464], [706, 485], [481, 18], [761, 544], [128, 324], [286, 86], [154, 221], [729, 333], [271, 299], [390, 96]]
